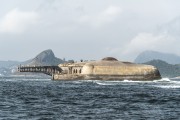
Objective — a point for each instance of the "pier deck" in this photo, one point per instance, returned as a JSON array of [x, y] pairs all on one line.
[[49, 70]]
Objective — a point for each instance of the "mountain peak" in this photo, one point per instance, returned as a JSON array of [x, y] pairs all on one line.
[[44, 58], [154, 55]]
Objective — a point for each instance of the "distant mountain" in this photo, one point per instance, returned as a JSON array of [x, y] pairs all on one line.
[[45, 58], [5, 71], [6, 67], [153, 55], [7, 64], [166, 70]]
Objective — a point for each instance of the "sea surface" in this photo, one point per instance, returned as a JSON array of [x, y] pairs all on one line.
[[44, 99]]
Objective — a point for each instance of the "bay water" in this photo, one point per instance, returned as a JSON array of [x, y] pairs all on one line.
[[44, 99]]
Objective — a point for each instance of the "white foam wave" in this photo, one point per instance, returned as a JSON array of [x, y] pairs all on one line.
[[85, 81], [116, 82], [105, 83], [167, 83], [168, 86], [77, 82], [163, 80], [135, 81], [175, 82], [171, 83]]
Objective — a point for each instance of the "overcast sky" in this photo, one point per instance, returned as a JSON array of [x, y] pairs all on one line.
[[85, 29]]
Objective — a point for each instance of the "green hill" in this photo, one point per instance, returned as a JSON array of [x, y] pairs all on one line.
[[166, 70]]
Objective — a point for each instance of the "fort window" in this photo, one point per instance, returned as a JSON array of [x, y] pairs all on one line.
[[76, 70], [80, 71]]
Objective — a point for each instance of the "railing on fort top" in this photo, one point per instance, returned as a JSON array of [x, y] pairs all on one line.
[[49, 70]]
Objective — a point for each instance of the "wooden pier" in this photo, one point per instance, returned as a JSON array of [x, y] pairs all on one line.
[[49, 70]]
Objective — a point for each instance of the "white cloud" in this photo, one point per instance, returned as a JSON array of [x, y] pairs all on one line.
[[102, 18], [149, 41], [17, 21]]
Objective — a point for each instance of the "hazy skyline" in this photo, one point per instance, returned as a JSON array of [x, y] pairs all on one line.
[[88, 29]]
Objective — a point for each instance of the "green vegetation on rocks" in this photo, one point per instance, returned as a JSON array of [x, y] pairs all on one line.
[[166, 70]]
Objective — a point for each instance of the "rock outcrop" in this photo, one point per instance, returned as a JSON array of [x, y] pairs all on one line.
[[45, 58]]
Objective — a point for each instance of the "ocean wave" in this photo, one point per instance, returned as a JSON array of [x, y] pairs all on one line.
[[168, 86], [167, 83], [24, 79], [106, 83], [163, 80], [116, 82]]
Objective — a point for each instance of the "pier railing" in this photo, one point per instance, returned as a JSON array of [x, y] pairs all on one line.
[[49, 70]]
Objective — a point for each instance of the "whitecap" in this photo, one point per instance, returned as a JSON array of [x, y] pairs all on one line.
[[167, 83], [168, 86], [77, 82], [163, 80], [114, 82], [175, 82], [105, 83], [135, 81]]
